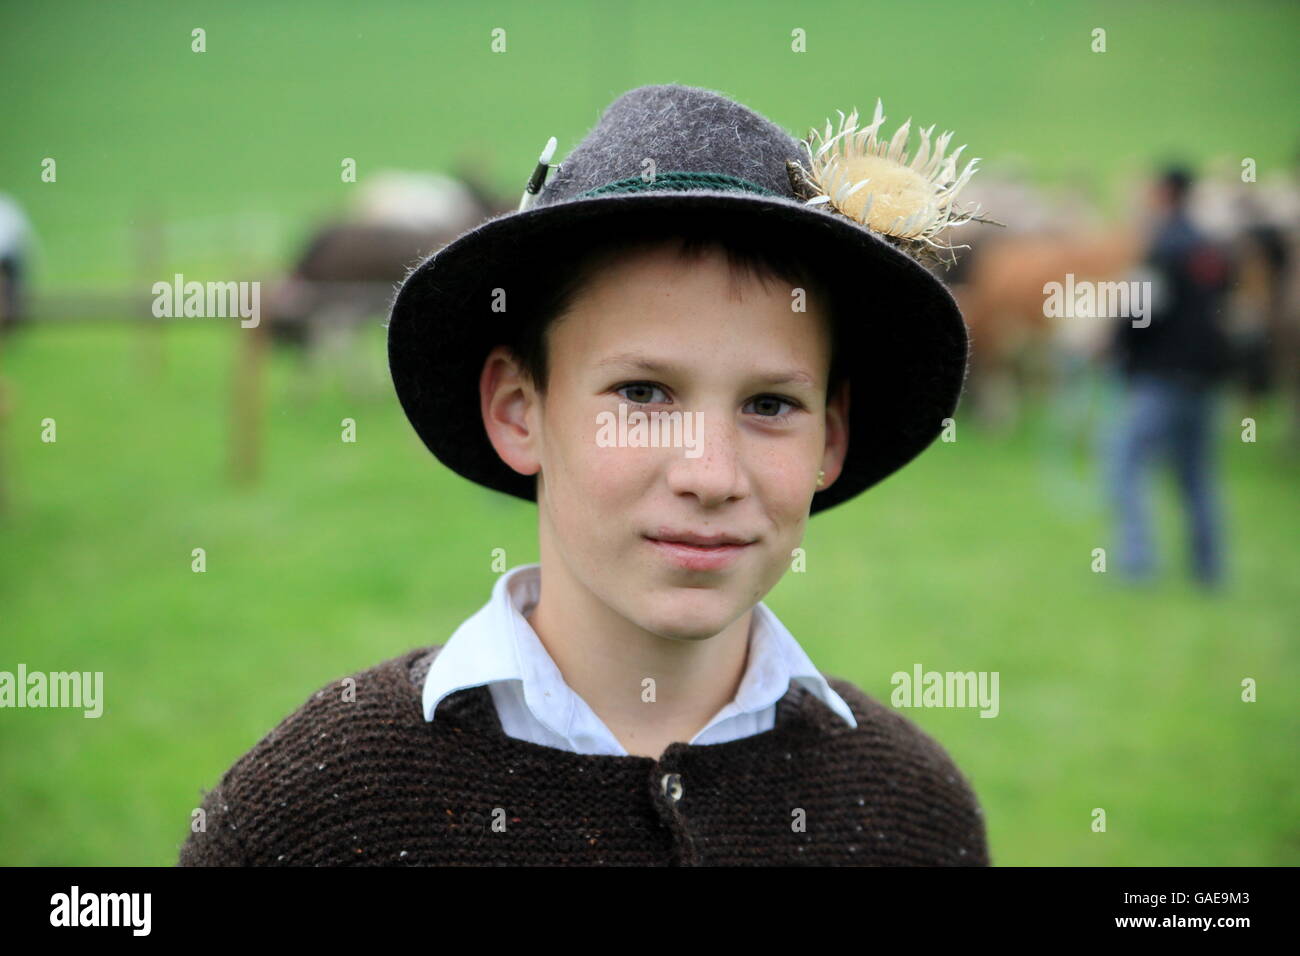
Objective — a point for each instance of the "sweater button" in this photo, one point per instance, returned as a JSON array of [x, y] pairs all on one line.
[[672, 786]]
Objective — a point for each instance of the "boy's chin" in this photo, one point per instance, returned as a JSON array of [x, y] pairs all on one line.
[[692, 614]]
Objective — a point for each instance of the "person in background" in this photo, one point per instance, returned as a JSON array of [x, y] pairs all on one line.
[[1172, 369]]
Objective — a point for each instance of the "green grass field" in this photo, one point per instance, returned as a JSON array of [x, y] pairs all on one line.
[[143, 129], [976, 557]]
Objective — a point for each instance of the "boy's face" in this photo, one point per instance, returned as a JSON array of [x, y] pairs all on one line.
[[660, 334]]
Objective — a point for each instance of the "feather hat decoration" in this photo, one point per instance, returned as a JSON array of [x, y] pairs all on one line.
[[869, 179]]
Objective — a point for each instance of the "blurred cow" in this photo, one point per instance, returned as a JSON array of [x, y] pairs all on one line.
[[999, 283], [350, 268], [15, 254], [1260, 222]]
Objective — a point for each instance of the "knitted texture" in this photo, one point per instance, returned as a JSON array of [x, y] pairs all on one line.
[[361, 779]]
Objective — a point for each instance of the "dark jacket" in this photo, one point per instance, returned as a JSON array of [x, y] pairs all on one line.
[[1186, 339], [362, 779]]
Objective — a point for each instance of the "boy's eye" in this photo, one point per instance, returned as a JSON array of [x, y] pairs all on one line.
[[769, 406], [641, 392], [765, 406]]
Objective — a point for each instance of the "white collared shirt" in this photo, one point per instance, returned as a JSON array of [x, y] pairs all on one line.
[[497, 647]]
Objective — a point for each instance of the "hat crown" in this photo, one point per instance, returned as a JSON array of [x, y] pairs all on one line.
[[680, 129]]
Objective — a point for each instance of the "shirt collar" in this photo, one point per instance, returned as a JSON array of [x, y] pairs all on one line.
[[498, 644]]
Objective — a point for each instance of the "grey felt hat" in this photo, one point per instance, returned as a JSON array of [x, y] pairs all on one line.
[[718, 163]]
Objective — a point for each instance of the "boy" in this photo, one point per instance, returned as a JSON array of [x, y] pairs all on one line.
[[644, 707]]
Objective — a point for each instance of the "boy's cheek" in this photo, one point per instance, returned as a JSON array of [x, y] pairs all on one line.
[[596, 492], [787, 485]]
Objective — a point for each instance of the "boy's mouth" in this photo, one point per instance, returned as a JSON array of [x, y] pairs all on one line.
[[698, 540], [698, 552]]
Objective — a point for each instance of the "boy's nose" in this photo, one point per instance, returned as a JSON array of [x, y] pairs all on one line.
[[717, 473]]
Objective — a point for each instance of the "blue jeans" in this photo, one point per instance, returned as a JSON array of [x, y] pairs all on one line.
[[1173, 420]]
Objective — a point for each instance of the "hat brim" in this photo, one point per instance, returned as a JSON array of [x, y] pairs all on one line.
[[904, 341]]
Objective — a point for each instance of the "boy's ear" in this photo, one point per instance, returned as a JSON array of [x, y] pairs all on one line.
[[509, 405], [837, 434]]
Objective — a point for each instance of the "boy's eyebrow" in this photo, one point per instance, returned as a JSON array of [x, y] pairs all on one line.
[[638, 360]]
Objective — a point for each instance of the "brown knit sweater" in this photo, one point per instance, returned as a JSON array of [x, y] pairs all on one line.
[[367, 781]]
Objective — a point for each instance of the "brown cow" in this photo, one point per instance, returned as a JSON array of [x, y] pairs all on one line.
[[350, 268]]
